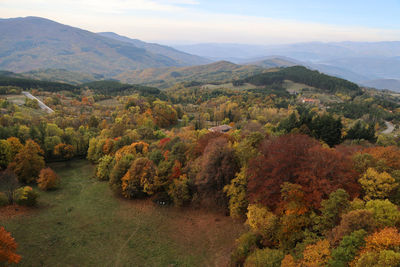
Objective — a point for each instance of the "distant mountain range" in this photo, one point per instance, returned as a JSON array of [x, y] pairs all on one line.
[[35, 43], [359, 62], [47, 50]]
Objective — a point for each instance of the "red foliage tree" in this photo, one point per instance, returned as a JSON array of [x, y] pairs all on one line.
[[204, 140], [299, 159]]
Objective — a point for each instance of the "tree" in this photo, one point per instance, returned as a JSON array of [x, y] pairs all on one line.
[[8, 184], [28, 162], [385, 212], [332, 209], [179, 191], [236, 192], [5, 154], [140, 179], [381, 249], [390, 155], [362, 131], [317, 254], [164, 115], [218, 168], [377, 185], [48, 179], [118, 171], [8, 248], [347, 249], [328, 129], [262, 222], [64, 151], [245, 244], [294, 217], [265, 257], [104, 168], [353, 221], [301, 160], [15, 146]]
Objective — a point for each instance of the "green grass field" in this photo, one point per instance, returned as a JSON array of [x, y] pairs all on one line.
[[84, 224]]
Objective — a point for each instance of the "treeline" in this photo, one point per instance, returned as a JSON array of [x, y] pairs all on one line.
[[28, 84], [303, 75], [107, 87]]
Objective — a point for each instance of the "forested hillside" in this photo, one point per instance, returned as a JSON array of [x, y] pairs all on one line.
[[295, 158]]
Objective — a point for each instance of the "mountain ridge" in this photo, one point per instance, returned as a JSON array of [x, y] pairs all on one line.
[[30, 43]]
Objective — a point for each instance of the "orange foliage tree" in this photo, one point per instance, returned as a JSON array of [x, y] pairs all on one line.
[[390, 155], [8, 247], [64, 151], [140, 179], [28, 162], [47, 179]]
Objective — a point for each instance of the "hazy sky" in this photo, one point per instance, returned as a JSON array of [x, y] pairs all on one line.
[[251, 21]]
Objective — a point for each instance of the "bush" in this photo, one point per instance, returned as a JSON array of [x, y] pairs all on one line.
[[245, 244], [48, 179], [3, 200], [179, 191], [265, 258], [26, 196], [104, 168]]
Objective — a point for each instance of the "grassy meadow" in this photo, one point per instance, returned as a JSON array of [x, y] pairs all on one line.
[[84, 224]]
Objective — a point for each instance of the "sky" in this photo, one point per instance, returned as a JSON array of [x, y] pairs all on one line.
[[212, 21]]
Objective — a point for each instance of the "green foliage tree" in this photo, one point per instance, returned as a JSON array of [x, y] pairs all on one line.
[[179, 191], [5, 154], [384, 212], [237, 194], [332, 209], [103, 170], [265, 257], [26, 196], [348, 248]]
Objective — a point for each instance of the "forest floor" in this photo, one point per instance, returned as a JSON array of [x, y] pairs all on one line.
[[84, 224]]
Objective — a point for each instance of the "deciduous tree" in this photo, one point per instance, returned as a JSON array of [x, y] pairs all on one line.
[[8, 248], [28, 162]]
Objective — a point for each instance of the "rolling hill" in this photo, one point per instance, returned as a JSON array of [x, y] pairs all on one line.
[[32, 43], [354, 61], [215, 72], [390, 84]]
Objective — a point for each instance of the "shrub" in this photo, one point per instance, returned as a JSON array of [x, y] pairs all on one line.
[[3, 200], [245, 244], [179, 191], [265, 258], [48, 179], [104, 168], [262, 221], [26, 196]]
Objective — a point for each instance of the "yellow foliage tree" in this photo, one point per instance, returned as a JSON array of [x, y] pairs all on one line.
[[317, 254], [134, 149], [377, 185], [262, 221]]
